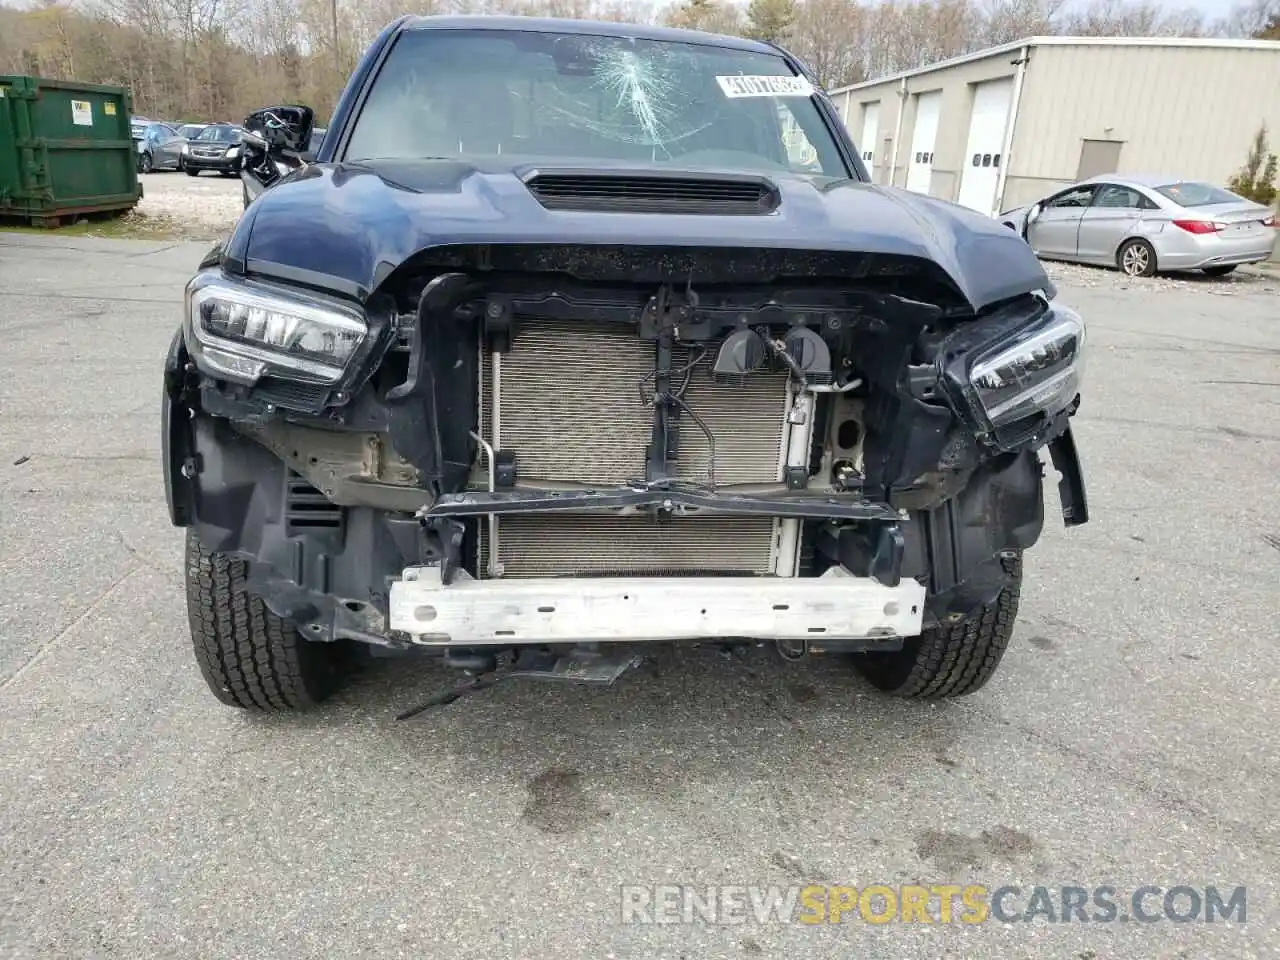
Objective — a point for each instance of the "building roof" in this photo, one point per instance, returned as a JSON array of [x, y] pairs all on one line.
[[1016, 45], [596, 28]]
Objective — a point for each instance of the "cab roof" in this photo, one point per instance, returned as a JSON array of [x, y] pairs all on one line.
[[591, 28]]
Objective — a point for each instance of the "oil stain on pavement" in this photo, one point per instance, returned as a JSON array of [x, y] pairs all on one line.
[[558, 804]]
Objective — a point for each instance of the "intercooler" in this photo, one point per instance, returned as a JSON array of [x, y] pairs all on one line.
[[571, 402]]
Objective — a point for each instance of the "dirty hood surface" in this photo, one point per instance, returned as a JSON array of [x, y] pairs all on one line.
[[356, 223]]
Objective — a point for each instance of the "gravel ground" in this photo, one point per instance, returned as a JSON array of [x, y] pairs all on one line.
[[1251, 279], [203, 207], [1128, 739]]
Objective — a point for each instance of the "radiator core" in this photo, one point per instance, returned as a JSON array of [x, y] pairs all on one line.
[[597, 545], [570, 406]]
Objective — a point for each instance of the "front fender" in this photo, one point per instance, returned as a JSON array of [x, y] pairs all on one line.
[[956, 549]]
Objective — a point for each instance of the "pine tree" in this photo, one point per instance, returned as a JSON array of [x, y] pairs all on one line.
[[771, 20], [1257, 178]]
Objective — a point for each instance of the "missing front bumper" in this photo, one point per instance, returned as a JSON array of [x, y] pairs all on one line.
[[469, 612]]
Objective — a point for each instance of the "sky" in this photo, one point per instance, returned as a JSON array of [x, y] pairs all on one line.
[[1212, 9]]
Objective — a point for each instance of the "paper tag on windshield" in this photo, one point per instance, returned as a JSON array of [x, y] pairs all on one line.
[[740, 86]]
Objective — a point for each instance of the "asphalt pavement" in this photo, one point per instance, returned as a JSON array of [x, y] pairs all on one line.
[[1130, 737]]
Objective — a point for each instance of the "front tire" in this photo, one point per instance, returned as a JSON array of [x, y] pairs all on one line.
[[250, 658], [951, 660], [1219, 271], [192, 173], [1137, 258], [145, 163]]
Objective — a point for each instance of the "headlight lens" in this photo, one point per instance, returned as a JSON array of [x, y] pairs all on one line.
[[1039, 370], [233, 151], [186, 148], [242, 331], [1014, 384]]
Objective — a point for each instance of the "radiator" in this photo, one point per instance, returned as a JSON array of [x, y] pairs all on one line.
[[569, 406]]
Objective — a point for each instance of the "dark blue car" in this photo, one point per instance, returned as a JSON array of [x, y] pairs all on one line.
[[571, 338]]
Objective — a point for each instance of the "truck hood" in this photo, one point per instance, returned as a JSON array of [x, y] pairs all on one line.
[[354, 223]]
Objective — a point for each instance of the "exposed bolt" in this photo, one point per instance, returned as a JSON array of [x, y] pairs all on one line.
[[271, 408], [340, 397]]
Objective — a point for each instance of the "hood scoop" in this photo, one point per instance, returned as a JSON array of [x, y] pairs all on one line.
[[655, 192]]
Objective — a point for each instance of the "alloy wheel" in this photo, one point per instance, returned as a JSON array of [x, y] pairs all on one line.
[[1134, 261]]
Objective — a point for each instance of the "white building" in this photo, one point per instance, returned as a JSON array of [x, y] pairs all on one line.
[[1005, 126]]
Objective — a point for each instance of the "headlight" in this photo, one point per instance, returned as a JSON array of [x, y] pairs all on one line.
[[186, 148], [1015, 383], [233, 151], [242, 331]]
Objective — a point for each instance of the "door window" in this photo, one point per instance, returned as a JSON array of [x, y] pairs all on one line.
[[1071, 199], [1115, 196]]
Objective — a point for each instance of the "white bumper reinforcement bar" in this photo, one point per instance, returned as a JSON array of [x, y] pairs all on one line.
[[469, 612]]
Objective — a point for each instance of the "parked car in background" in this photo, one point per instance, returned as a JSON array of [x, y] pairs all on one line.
[[216, 147], [1144, 224], [160, 148], [137, 127]]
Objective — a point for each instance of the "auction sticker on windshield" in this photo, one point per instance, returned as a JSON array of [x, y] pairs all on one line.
[[741, 86]]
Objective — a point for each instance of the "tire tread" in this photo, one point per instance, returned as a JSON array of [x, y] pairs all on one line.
[[249, 657], [956, 660]]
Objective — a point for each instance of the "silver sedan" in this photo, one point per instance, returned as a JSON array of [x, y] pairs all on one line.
[[1144, 224]]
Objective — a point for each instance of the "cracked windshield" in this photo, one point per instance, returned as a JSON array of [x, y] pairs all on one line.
[[595, 99]]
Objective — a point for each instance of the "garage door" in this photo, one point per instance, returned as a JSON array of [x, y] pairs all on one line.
[[986, 139], [920, 169], [870, 129]]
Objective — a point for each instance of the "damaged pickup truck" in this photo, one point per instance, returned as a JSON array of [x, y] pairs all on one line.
[[576, 337]]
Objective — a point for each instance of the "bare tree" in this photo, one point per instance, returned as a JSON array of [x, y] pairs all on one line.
[[219, 59], [829, 37], [714, 16]]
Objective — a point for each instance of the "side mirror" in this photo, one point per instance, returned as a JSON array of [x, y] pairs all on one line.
[[282, 129], [1034, 213]]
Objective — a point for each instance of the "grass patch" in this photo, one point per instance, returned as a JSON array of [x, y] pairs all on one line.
[[131, 225]]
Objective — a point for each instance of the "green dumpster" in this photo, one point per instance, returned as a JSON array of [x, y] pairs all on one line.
[[65, 150]]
